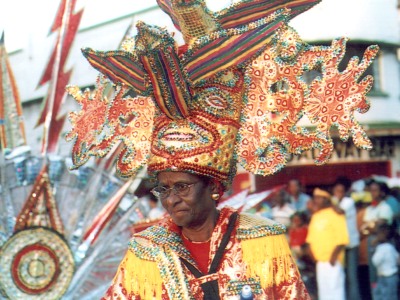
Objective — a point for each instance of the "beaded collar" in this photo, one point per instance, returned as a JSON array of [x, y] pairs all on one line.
[[147, 243]]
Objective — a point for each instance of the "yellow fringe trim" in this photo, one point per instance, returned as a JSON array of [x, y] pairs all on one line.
[[269, 259], [143, 277]]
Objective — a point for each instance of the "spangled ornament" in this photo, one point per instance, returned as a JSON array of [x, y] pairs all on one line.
[[102, 123], [41, 265], [279, 97], [234, 92]]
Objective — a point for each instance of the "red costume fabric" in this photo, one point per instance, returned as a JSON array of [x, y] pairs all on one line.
[[257, 255], [199, 252]]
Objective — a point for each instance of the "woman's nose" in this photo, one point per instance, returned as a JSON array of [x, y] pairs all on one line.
[[172, 199]]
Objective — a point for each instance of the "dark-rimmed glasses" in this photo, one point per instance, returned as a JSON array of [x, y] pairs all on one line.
[[180, 189]]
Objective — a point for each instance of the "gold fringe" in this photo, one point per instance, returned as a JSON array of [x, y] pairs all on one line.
[[143, 276], [269, 259]]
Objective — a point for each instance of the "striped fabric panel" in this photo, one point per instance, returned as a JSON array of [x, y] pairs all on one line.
[[119, 67], [227, 52], [170, 93], [157, 90], [250, 11], [167, 94], [166, 7], [176, 81]]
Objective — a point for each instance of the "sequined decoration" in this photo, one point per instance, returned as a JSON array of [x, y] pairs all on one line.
[[35, 264], [40, 208], [279, 97], [233, 92], [102, 123]]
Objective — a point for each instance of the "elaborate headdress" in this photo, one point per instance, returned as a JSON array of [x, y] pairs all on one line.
[[233, 93]]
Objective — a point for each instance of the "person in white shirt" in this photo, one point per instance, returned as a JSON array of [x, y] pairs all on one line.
[[386, 261], [376, 213], [379, 210], [281, 210], [346, 205]]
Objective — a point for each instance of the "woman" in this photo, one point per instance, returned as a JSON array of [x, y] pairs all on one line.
[[200, 109], [379, 211], [376, 213], [204, 253]]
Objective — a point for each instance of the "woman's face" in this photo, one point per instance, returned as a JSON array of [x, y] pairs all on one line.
[[297, 222], [192, 208], [376, 192], [320, 202], [293, 187], [339, 191]]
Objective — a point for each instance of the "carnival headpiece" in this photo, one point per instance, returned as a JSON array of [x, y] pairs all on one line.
[[233, 93]]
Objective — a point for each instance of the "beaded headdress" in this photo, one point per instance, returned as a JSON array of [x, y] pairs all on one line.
[[234, 92]]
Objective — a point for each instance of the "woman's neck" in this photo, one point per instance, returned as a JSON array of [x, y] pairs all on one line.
[[202, 232]]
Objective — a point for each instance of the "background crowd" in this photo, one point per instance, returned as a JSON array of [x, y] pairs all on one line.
[[345, 239]]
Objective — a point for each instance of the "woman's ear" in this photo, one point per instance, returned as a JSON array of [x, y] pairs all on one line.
[[214, 186], [216, 190]]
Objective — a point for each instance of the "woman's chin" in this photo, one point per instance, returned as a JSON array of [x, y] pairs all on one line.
[[181, 218]]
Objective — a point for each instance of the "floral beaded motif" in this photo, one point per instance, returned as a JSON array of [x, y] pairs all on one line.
[[233, 93]]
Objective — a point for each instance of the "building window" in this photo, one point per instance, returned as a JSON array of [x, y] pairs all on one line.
[[358, 50]]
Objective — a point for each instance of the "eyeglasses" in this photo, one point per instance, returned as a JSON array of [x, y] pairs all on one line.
[[180, 189]]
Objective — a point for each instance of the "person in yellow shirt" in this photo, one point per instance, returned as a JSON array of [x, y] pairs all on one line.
[[327, 237]]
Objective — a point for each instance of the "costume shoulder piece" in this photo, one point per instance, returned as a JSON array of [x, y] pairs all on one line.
[[253, 226], [267, 255], [148, 243], [143, 248]]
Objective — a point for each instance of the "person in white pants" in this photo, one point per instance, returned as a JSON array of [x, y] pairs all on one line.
[[327, 237]]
